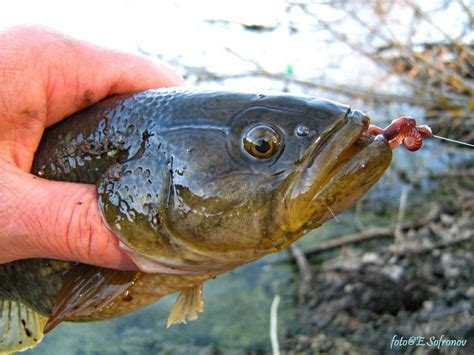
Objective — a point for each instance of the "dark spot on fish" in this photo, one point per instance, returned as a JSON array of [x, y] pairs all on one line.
[[80, 203], [27, 331], [127, 297]]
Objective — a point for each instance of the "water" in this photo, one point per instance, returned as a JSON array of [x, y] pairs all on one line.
[[236, 317]]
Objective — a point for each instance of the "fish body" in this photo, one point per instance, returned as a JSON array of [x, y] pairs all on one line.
[[194, 184]]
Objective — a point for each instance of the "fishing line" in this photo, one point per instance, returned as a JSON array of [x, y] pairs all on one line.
[[453, 141]]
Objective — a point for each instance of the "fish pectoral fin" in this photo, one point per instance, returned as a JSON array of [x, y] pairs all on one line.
[[86, 290], [21, 327], [187, 306]]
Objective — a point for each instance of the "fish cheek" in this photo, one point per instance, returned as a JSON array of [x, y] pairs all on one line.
[[131, 197], [232, 216]]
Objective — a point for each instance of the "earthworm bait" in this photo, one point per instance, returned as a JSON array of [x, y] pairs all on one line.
[[404, 131]]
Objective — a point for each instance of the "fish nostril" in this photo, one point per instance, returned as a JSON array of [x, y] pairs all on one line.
[[301, 131]]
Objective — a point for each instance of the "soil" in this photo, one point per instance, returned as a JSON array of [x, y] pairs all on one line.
[[392, 299]]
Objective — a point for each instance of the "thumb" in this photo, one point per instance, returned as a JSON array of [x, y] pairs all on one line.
[[56, 220]]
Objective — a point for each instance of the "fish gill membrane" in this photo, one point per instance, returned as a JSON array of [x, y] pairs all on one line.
[[194, 184]]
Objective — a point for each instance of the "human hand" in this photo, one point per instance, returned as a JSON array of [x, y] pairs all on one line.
[[44, 77]]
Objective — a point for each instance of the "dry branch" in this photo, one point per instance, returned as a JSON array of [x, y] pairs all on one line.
[[304, 271], [370, 234], [430, 248]]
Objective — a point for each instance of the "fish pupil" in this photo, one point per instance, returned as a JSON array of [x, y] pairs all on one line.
[[262, 146]]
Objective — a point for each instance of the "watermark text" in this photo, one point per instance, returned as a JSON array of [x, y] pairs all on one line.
[[432, 342]]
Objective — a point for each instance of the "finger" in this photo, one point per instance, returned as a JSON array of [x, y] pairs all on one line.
[[75, 74], [47, 76], [56, 220]]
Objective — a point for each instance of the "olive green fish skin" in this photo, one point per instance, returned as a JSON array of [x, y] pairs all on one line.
[[35, 282], [82, 147], [159, 154], [177, 187]]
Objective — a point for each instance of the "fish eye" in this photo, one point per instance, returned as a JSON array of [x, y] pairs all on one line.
[[261, 141]]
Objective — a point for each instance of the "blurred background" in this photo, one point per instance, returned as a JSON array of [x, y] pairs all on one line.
[[401, 261]]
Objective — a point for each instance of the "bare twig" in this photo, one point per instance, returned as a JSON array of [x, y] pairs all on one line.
[[429, 20], [304, 271], [449, 173], [345, 90], [357, 214], [467, 11], [430, 248], [369, 234], [274, 325], [302, 262], [399, 236]]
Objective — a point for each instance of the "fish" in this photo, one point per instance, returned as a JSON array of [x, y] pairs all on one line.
[[194, 184]]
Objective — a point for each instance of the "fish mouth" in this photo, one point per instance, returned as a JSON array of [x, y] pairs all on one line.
[[337, 170]]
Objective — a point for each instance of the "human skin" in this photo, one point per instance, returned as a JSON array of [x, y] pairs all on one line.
[[44, 77]]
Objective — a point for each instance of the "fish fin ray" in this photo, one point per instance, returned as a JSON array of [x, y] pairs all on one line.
[[187, 306], [21, 328], [88, 289]]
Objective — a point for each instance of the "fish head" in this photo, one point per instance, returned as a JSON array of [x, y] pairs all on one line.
[[245, 175]]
